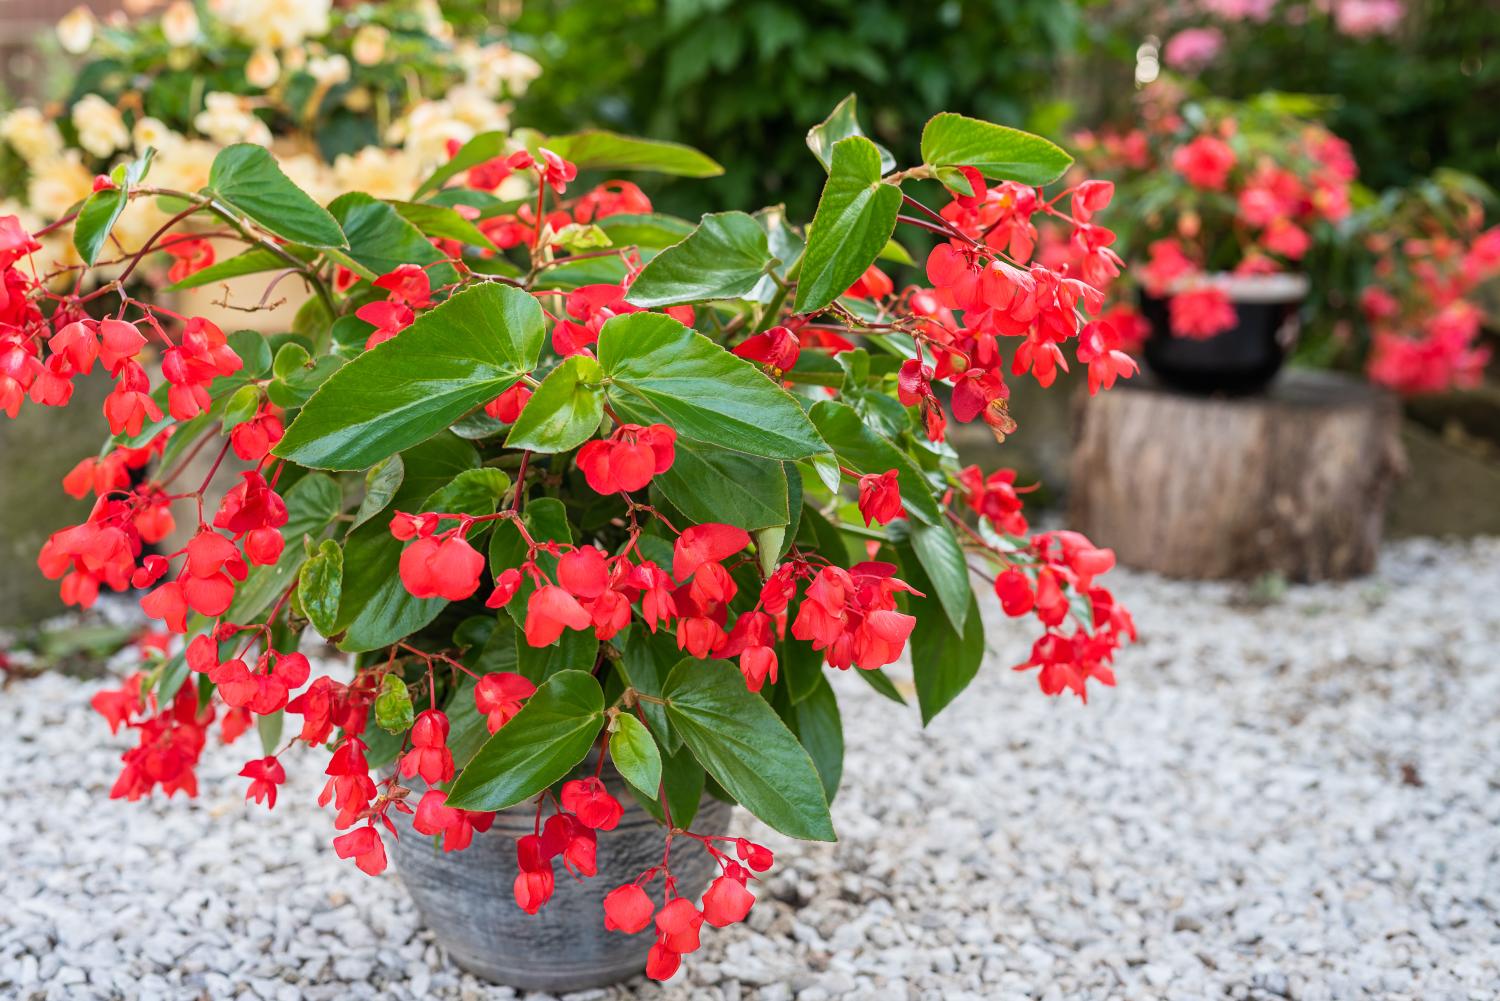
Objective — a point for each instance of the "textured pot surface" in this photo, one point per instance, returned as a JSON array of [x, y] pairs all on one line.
[[467, 899], [1243, 359]]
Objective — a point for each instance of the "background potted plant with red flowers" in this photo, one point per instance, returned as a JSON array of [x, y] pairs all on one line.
[[600, 504], [1233, 203]]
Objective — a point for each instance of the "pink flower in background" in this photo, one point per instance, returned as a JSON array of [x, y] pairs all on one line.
[[1366, 18], [1193, 48], [1205, 162], [1200, 313], [1239, 10]]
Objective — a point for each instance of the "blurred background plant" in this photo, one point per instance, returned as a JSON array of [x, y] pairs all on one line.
[[736, 78], [349, 97]]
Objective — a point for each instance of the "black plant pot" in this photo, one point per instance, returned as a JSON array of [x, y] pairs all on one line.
[[1239, 361]]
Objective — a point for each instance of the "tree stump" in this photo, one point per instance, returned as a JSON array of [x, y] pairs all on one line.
[[1292, 481]]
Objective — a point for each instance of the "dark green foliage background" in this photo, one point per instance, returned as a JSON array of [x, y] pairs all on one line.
[[744, 80]]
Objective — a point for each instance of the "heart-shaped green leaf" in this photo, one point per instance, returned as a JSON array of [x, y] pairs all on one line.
[[553, 732], [662, 371], [855, 218], [740, 741], [597, 149], [564, 411], [319, 585], [997, 152], [635, 754], [458, 355], [841, 123], [723, 258], [245, 178]]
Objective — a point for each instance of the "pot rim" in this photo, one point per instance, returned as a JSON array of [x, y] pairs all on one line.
[[1284, 286]]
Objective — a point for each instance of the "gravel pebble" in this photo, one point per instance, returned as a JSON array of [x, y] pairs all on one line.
[[1296, 800]]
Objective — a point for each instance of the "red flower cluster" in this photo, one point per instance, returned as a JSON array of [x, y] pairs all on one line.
[[1428, 301], [408, 289], [727, 901], [628, 458]]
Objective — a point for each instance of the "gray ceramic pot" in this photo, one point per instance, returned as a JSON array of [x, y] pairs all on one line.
[[467, 899]]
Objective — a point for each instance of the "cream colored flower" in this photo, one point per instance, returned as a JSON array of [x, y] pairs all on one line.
[[75, 32], [499, 68], [478, 110], [140, 219], [433, 21], [31, 135], [380, 172], [225, 120], [358, 100], [179, 23], [368, 47], [152, 132], [262, 68], [183, 164], [277, 24], [329, 70], [101, 130], [58, 184]]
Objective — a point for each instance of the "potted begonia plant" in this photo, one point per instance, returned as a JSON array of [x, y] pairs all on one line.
[[1230, 201], [599, 503]]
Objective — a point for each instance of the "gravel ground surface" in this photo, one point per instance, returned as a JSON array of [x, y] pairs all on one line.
[[1295, 800]]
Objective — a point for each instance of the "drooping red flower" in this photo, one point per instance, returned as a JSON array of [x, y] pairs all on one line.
[[592, 804], [726, 902], [429, 756], [627, 909], [879, 497], [364, 846], [265, 774], [499, 696], [448, 569]]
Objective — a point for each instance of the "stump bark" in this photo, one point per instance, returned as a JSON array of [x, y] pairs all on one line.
[[1294, 480]]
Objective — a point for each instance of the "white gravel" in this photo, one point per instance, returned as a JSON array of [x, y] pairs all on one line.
[[1296, 800]]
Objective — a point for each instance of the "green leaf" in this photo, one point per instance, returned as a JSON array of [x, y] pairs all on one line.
[[565, 410], [101, 210], [855, 218], [240, 407], [376, 608], [801, 667], [741, 742], [574, 650], [485, 146], [319, 586], [381, 484], [634, 753], [269, 729], [245, 178], [840, 124], [683, 778], [816, 722], [252, 261], [297, 386], [997, 152], [442, 222], [458, 355], [648, 232], [553, 732], [708, 483], [723, 258], [393, 708], [662, 371], [882, 683], [646, 658], [312, 504], [944, 658], [596, 149], [947, 570], [380, 240], [865, 450]]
